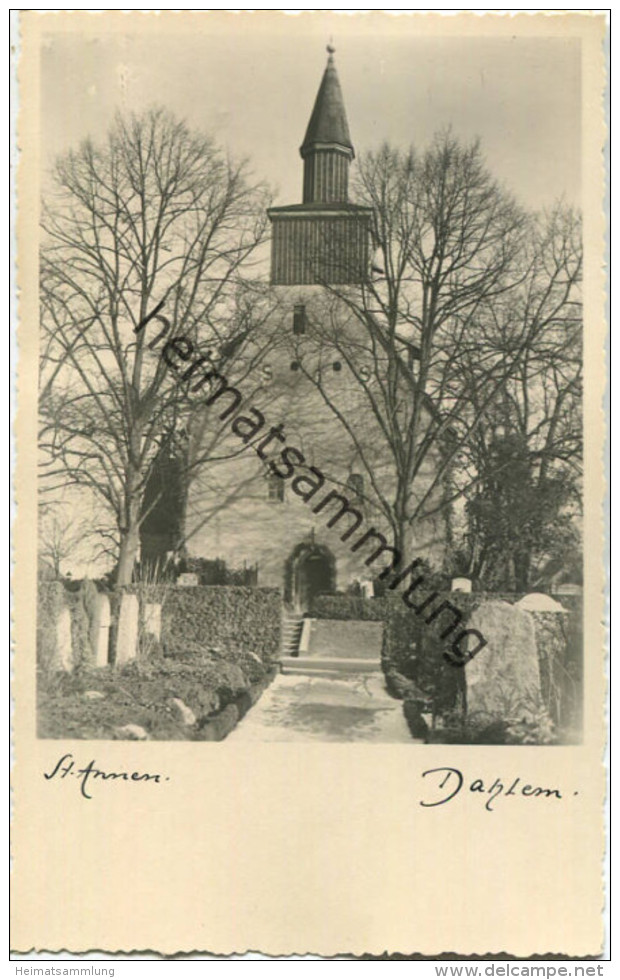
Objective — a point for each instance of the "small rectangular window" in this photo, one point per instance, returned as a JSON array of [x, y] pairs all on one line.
[[299, 319], [275, 487]]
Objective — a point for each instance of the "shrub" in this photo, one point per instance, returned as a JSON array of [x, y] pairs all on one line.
[[347, 607]]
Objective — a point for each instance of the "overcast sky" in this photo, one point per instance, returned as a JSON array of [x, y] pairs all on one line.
[[255, 89]]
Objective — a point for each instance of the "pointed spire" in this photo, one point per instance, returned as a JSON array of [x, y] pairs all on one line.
[[328, 124], [325, 239]]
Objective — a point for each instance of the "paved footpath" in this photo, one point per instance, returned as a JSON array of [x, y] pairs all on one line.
[[308, 708]]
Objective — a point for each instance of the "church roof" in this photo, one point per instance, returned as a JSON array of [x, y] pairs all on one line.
[[328, 122], [338, 208]]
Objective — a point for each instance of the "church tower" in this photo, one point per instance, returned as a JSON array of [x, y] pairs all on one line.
[[324, 240], [320, 253]]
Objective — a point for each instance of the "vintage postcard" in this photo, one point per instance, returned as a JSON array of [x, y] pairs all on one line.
[[309, 574]]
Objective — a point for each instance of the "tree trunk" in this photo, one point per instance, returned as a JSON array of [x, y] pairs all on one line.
[[401, 524], [130, 534], [522, 565], [130, 540]]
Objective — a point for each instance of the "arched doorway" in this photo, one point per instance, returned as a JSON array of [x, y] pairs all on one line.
[[310, 569]]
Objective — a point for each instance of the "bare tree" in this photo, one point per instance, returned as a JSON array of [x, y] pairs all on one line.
[[197, 453], [447, 241], [154, 218], [62, 537], [521, 471]]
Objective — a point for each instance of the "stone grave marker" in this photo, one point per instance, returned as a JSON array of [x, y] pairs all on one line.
[[503, 680], [127, 634], [64, 646], [100, 630], [568, 589], [551, 624], [539, 602]]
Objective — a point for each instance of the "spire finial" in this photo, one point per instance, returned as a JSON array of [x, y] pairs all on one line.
[[330, 49]]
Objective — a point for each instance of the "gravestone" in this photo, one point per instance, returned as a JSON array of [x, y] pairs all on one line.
[[539, 602], [556, 678], [568, 589], [503, 679], [100, 630], [127, 634], [152, 619], [64, 646]]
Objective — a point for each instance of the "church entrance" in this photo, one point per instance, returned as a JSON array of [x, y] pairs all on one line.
[[310, 570]]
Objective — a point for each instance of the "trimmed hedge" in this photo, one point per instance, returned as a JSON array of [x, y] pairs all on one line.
[[349, 607], [234, 619], [357, 607]]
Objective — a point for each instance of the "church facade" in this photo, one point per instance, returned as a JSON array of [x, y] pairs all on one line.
[[296, 510]]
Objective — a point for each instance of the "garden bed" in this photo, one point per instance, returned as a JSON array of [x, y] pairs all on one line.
[[200, 698]]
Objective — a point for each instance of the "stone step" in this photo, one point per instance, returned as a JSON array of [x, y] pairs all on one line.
[[347, 665], [320, 674], [291, 636]]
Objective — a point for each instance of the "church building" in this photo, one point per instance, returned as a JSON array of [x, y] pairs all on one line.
[[239, 511]]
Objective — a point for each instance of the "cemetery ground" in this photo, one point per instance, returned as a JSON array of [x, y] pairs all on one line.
[[197, 698], [191, 663]]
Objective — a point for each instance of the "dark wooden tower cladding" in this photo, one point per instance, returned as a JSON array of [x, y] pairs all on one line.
[[325, 239]]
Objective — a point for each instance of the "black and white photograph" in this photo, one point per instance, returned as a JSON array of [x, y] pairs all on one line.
[[310, 466], [310, 390]]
